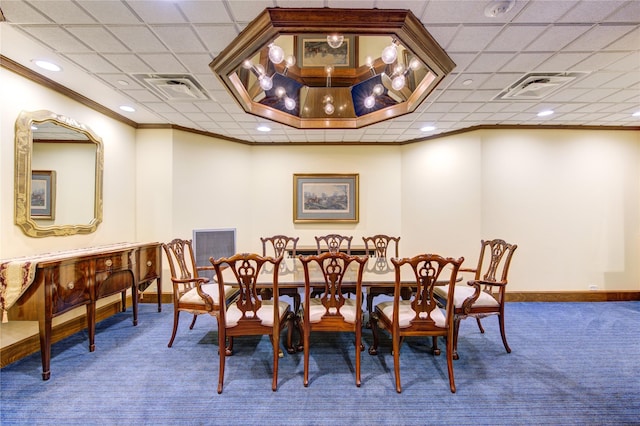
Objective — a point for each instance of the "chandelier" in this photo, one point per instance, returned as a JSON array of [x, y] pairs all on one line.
[[332, 68]]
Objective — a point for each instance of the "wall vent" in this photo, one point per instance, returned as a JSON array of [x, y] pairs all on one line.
[[174, 87], [534, 86]]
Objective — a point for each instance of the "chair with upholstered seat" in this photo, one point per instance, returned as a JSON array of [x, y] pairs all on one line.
[[334, 243], [250, 314], [379, 248], [421, 315], [479, 297], [333, 310], [191, 292]]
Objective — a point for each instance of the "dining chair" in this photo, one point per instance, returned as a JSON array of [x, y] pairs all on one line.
[[191, 293], [334, 243], [421, 315], [250, 314], [379, 247], [485, 294], [333, 310], [282, 245]]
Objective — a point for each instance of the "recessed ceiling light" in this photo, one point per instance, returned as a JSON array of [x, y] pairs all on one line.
[[427, 128], [467, 82], [498, 8], [127, 108], [123, 82], [263, 128], [636, 114], [49, 66], [545, 113]]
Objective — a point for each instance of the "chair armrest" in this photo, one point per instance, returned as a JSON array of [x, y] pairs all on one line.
[[473, 283], [467, 270], [198, 280]]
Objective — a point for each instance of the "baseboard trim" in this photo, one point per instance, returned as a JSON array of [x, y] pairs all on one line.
[[573, 296]]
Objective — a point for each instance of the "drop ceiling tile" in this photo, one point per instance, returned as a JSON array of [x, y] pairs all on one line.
[[591, 11], [157, 12], [98, 38], [196, 63], [468, 11], [247, 10], [563, 62], [501, 81], [159, 107], [57, 38], [489, 62], [536, 11], [629, 41], [556, 37], [307, 3], [466, 107], [565, 95], [128, 63], [63, 12], [472, 38], [92, 62], [595, 95], [212, 11], [493, 107], [109, 11], [121, 81], [630, 12], [180, 38], [443, 34], [164, 63], [482, 96], [216, 38], [525, 62], [142, 96], [138, 39], [598, 37], [19, 12], [601, 60], [628, 63], [514, 38]]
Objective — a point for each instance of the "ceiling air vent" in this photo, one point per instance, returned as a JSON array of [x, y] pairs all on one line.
[[535, 86], [174, 87]]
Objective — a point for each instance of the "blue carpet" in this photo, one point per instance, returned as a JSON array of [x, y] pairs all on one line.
[[572, 363]]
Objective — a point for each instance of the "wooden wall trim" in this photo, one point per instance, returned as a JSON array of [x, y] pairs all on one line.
[[574, 296]]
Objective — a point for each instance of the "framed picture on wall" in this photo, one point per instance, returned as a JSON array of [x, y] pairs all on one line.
[[314, 52], [43, 194], [325, 198]]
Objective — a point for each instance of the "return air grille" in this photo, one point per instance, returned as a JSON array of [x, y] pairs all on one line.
[[535, 86], [174, 87]]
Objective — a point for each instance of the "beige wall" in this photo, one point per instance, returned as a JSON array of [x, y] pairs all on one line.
[[570, 199]]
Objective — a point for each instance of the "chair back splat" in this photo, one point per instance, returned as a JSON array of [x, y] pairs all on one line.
[[333, 276], [250, 314], [334, 243], [381, 248], [421, 315]]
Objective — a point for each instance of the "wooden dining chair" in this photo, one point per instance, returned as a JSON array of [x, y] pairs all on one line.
[[380, 248], [191, 292], [282, 245], [333, 310], [484, 295], [250, 314], [421, 315], [334, 243]]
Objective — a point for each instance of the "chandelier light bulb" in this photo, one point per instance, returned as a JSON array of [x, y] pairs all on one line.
[[329, 108], [378, 89], [328, 99], [369, 61], [335, 40], [369, 101], [265, 82], [328, 69], [414, 64], [389, 54], [398, 82], [290, 60], [259, 69], [276, 54], [289, 103], [247, 64], [280, 92]]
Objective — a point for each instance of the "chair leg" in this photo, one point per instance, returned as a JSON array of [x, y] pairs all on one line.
[[373, 349], [359, 346], [452, 383], [193, 321], [434, 345], [396, 361], [222, 338], [275, 340], [369, 308], [504, 336], [176, 317], [456, 329], [479, 325], [306, 355]]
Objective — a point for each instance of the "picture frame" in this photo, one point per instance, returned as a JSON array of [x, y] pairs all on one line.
[[313, 51], [43, 194], [325, 198]]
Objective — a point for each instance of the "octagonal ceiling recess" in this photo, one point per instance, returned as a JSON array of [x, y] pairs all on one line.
[[332, 68]]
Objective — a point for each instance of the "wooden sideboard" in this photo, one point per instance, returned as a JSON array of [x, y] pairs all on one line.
[[65, 281]]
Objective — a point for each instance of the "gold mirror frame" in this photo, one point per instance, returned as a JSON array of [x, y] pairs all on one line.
[[22, 184]]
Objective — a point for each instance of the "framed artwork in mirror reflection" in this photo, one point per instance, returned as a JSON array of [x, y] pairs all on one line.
[[43, 194], [325, 198]]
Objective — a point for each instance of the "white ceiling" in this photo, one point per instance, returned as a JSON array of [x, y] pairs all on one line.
[[101, 44]]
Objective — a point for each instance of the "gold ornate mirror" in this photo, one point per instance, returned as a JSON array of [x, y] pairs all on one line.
[[58, 175]]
